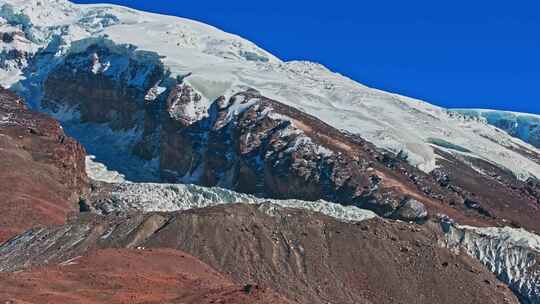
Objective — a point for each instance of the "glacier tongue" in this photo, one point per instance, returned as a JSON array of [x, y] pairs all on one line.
[[512, 254], [148, 197]]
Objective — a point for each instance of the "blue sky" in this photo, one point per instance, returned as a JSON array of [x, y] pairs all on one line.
[[483, 54]]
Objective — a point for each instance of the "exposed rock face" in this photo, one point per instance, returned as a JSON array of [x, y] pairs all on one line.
[[307, 257], [256, 145], [109, 84], [130, 276], [43, 170], [412, 210], [101, 95], [490, 192], [249, 143]]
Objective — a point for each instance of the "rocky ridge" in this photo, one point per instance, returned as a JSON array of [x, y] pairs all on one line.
[[305, 256], [43, 170]]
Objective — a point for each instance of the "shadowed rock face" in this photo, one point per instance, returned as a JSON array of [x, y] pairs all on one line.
[[260, 146], [249, 143], [105, 85], [256, 145], [307, 257], [42, 170]]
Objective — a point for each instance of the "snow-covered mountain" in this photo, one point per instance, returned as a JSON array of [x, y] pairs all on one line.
[[521, 125], [216, 64], [159, 98]]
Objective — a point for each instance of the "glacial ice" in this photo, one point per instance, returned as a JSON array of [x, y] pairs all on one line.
[[221, 64], [512, 254], [149, 197]]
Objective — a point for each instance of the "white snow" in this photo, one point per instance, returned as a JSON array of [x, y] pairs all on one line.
[[521, 125], [224, 64], [98, 66], [150, 197], [239, 106], [99, 172]]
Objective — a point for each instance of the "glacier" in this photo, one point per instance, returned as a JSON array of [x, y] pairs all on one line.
[[512, 254], [151, 197], [521, 125], [217, 64]]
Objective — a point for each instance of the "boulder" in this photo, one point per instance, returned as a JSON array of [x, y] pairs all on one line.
[[412, 210]]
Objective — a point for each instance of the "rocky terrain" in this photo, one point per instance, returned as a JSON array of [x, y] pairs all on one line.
[[130, 276], [256, 145], [43, 170], [252, 144], [93, 252], [307, 257], [213, 172], [41, 182]]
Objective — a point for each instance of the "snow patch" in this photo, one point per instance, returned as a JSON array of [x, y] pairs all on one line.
[[99, 172]]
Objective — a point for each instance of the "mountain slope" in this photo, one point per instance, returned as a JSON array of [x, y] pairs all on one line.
[[305, 256], [215, 110], [163, 99], [42, 171], [218, 64], [508, 253], [109, 276]]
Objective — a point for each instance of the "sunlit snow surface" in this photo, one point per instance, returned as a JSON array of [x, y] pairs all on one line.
[[521, 125], [222, 64], [99, 172]]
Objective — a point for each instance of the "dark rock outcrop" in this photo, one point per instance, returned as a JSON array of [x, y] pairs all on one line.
[[111, 84], [490, 192], [248, 143], [412, 210], [256, 145], [252, 144]]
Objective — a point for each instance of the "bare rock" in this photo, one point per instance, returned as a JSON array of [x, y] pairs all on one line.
[[412, 210]]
